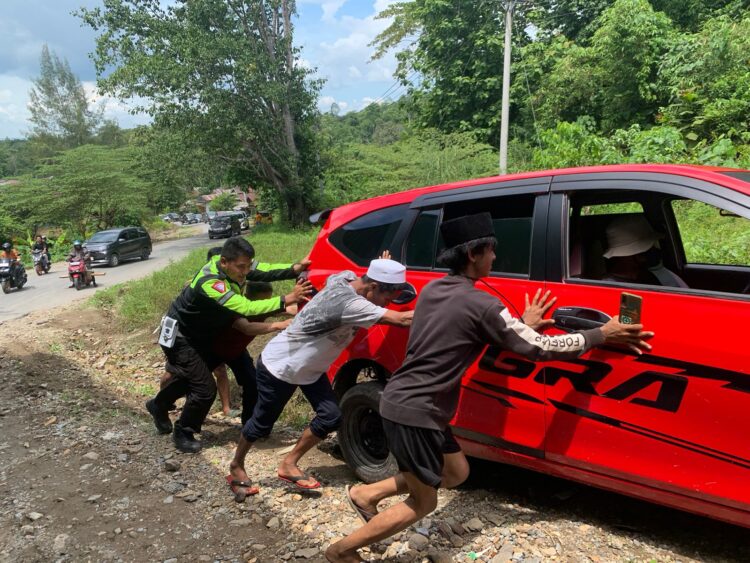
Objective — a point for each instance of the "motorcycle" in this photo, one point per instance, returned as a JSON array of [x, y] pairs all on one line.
[[80, 275], [41, 262], [11, 276]]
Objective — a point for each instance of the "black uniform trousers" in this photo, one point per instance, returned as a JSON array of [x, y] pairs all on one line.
[[193, 379], [244, 373]]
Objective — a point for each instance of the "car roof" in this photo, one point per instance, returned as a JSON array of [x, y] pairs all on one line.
[[713, 174]]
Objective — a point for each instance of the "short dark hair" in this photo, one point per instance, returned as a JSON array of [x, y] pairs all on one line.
[[456, 258], [255, 289], [384, 287], [213, 251], [236, 247]]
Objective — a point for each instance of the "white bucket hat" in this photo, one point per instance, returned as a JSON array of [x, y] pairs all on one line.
[[629, 235], [387, 271]]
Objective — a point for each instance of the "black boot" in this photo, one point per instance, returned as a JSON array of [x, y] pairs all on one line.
[[161, 419], [184, 440]]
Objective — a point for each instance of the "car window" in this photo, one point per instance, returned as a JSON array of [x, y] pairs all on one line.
[[420, 245], [512, 219], [710, 235], [366, 237]]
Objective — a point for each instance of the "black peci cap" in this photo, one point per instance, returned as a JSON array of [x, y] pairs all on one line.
[[467, 228]]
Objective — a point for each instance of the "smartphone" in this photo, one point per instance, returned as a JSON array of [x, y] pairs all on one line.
[[630, 308]]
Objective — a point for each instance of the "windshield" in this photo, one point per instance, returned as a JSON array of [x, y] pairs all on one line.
[[221, 220], [106, 236]]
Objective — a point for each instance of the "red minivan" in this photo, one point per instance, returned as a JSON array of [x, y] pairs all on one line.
[[671, 426]]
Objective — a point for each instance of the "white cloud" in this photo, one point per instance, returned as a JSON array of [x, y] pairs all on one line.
[[325, 103], [330, 7]]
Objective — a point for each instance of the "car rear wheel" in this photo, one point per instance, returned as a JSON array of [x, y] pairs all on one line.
[[114, 260], [145, 253], [361, 434]]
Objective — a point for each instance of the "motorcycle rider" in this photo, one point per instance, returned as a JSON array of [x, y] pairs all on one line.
[[41, 245], [47, 245], [78, 253], [16, 268]]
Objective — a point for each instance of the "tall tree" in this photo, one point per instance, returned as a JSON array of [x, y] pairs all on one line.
[[227, 73], [60, 113], [453, 63]]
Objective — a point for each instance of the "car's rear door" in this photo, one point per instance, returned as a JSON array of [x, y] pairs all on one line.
[[674, 420], [499, 413]]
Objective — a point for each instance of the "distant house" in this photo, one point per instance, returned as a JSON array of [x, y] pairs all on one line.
[[245, 200]]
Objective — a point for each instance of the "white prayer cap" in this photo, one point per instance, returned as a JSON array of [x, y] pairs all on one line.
[[387, 271]]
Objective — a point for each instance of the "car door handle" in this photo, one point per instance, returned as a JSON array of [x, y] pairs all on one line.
[[578, 318]]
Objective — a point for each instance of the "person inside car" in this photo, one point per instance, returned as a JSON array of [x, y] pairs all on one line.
[[453, 323], [633, 254], [299, 357]]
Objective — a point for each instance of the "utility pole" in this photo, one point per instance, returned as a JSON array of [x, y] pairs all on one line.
[[506, 89]]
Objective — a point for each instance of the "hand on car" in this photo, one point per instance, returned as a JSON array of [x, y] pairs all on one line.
[[631, 336], [536, 309], [300, 293], [302, 265]]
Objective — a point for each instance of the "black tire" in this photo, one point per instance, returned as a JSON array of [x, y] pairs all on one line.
[[38, 269], [361, 434], [114, 260], [145, 253], [6, 285], [79, 283]]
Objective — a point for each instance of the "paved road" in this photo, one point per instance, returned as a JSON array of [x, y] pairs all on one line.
[[50, 291]]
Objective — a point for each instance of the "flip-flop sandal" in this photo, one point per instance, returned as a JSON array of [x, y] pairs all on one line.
[[241, 489], [296, 481], [361, 512]]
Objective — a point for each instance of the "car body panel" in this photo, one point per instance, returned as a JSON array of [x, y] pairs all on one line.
[[669, 426]]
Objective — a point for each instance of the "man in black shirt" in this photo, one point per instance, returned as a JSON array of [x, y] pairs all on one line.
[[453, 322]]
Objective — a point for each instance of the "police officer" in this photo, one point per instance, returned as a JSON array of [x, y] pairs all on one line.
[[211, 302]]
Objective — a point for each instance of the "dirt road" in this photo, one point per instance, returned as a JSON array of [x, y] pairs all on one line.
[[84, 477], [50, 291]]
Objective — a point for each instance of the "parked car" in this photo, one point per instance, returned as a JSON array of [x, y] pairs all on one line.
[[171, 217], [224, 226], [241, 217], [670, 426], [190, 218], [115, 245]]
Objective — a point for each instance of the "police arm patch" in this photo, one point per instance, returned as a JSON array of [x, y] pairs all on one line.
[[219, 286]]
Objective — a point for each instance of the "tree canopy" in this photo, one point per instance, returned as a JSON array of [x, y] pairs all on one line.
[[225, 73], [60, 113]]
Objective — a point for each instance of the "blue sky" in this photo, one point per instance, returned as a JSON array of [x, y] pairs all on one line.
[[333, 35]]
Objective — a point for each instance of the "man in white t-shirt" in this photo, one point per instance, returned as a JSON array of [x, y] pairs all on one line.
[[300, 355]]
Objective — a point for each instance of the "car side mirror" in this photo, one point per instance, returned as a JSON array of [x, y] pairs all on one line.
[[407, 295], [121, 238]]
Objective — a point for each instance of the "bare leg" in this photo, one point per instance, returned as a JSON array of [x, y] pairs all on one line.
[[237, 465], [288, 466], [421, 501], [367, 497], [222, 384]]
